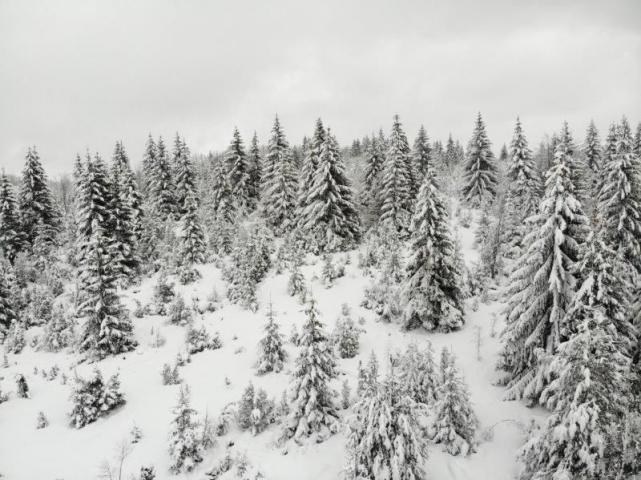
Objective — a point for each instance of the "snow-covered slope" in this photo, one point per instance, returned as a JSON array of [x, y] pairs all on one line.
[[218, 377]]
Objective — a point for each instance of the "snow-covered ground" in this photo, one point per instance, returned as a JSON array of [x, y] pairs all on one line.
[[62, 452]]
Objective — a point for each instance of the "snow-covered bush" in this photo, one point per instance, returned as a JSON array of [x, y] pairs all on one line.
[[271, 352], [178, 312], [255, 410], [199, 339], [39, 305], [59, 331], [41, 421], [331, 271], [383, 299], [346, 335], [164, 293], [170, 375], [15, 341], [93, 398]]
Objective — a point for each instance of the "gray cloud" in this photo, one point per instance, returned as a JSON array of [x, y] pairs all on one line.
[[83, 74]]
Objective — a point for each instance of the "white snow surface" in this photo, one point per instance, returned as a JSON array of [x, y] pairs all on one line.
[[63, 452]]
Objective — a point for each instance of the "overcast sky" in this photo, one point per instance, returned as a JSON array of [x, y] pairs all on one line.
[[83, 74]]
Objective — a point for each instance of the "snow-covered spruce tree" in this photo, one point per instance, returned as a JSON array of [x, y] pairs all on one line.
[[456, 424], [107, 329], [422, 154], [374, 159], [11, 238], [593, 158], [148, 163], [432, 289], [397, 181], [93, 398], [280, 183], [161, 185], [272, 355], [255, 163], [7, 310], [192, 240], [58, 332], [543, 282], [385, 440], [185, 178], [367, 375], [620, 198], [239, 172], [523, 189], [589, 395], [346, 335], [35, 200], [125, 210], [329, 216], [417, 372], [312, 405], [185, 448], [308, 174], [480, 170]]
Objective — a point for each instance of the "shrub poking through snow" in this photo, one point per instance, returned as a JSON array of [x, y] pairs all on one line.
[[456, 423], [330, 271], [185, 447], [179, 313], [15, 341], [170, 375], [272, 355], [384, 300], [164, 293], [21, 386], [41, 421], [93, 398], [58, 332], [367, 375], [198, 340]]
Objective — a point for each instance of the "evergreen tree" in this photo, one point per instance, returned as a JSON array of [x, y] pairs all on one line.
[[450, 156], [192, 239], [35, 200], [329, 215], [223, 204], [185, 448], [10, 230], [480, 169], [620, 197], [637, 141], [385, 440], [542, 284], [185, 188], [279, 182], [161, 187], [272, 354], [148, 164], [524, 187], [308, 171], [589, 395], [125, 211], [592, 149], [417, 373], [432, 287], [311, 397], [422, 153], [397, 181], [374, 159], [456, 423], [239, 171], [255, 163], [7, 310], [107, 329]]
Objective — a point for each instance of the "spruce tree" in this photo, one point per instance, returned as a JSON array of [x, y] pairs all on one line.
[[185, 179], [7, 310], [272, 354], [450, 157], [422, 153], [255, 163], [239, 172], [417, 373], [620, 197], [149, 164], [308, 171], [524, 187], [161, 188], [185, 447], [480, 170], [313, 409], [10, 230], [543, 282], [385, 439], [125, 209], [35, 200], [192, 239], [107, 329], [397, 181], [589, 397], [329, 216], [374, 158], [279, 182], [637, 141], [432, 289], [456, 423]]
